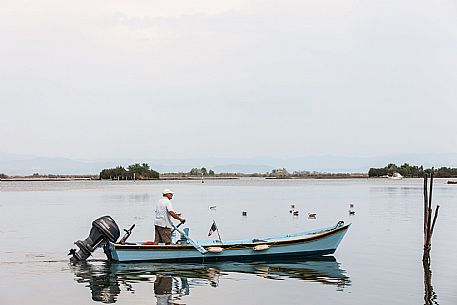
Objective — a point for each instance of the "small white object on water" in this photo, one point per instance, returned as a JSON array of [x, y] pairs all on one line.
[[261, 247]]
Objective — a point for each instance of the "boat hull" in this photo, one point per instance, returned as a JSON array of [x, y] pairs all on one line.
[[322, 242]]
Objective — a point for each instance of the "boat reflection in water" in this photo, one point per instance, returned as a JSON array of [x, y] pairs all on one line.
[[171, 282]]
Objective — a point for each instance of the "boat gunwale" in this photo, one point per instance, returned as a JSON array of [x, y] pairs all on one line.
[[273, 243]]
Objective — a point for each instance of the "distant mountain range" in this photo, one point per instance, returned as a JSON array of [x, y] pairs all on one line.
[[12, 164]]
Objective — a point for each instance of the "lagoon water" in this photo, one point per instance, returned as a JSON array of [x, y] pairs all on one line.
[[378, 262]]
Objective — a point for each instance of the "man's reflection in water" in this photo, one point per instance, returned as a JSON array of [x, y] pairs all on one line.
[[167, 289], [162, 289]]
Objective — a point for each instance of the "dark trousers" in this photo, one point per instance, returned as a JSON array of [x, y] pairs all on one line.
[[162, 235]]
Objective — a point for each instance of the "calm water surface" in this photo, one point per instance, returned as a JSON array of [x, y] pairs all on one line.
[[378, 262]]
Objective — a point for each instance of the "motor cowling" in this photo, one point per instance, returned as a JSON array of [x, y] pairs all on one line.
[[103, 229]]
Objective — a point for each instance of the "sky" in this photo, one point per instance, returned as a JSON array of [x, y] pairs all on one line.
[[230, 79]]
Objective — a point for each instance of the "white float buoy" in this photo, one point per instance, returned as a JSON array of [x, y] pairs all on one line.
[[215, 249], [261, 247]]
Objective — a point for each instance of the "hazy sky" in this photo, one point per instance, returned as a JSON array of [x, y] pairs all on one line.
[[182, 79]]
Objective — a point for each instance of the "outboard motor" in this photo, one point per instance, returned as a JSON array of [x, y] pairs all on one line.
[[103, 229]]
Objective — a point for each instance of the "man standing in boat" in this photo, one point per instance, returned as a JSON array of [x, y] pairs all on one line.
[[162, 222]]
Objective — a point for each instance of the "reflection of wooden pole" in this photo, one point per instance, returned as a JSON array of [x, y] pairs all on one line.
[[429, 294]]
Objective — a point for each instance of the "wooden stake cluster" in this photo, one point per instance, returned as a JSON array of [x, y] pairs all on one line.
[[429, 225]]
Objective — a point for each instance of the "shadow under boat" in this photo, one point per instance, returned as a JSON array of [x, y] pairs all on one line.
[[107, 279]]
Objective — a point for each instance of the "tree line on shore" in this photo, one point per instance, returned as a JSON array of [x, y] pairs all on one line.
[[134, 171], [412, 171], [144, 172]]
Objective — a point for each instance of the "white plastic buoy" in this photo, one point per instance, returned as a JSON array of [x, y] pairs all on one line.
[[261, 247], [215, 249]]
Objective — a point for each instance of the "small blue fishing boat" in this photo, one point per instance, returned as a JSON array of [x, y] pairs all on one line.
[[298, 245]]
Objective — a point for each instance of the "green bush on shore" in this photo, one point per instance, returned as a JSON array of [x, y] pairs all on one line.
[[133, 171], [410, 171]]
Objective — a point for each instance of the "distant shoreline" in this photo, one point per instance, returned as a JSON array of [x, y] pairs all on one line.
[[336, 176], [46, 179], [174, 178], [14, 179]]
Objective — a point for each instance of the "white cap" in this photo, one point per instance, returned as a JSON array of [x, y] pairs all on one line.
[[167, 191]]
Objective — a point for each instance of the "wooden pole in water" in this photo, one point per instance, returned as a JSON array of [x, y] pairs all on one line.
[[425, 209], [429, 212], [429, 226]]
